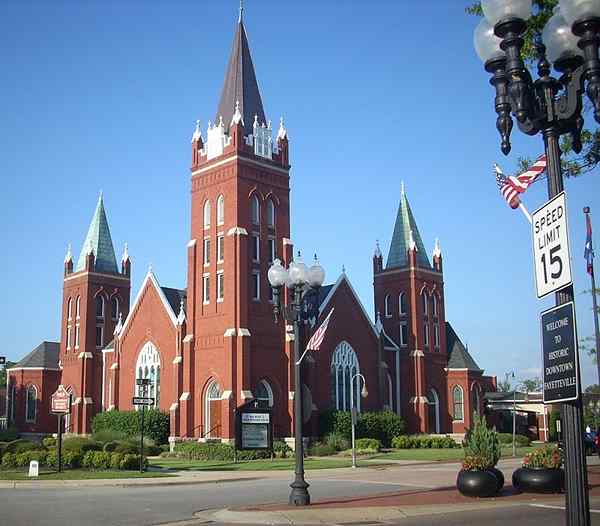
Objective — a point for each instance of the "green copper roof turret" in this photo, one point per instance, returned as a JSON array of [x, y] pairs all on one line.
[[401, 240], [99, 241]]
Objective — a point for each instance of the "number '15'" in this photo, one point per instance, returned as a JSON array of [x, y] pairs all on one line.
[[553, 259]]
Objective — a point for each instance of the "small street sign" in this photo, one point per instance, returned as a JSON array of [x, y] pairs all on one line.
[[552, 261], [60, 401], [142, 381], [560, 356], [140, 400], [2, 360]]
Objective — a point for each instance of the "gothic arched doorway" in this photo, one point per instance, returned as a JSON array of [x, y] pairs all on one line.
[[212, 411]]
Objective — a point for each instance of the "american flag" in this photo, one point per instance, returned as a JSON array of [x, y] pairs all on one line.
[[319, 335], [589, 251], [512, 186]]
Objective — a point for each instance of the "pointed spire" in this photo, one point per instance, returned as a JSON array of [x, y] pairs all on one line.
[[436, 249], [406, 235], [99, 242], [125, 256], [377, 249], [240, 19], [343, 269], [402, 188], [119, 325], [282, 132], [240, 81], [237, 116], [69, 255], [197, 133], [181, 315]]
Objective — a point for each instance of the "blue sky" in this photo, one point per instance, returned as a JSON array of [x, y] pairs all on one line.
[[104, 95]]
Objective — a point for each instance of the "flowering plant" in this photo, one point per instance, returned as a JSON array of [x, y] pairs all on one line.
[[475, 463], [548, 457]]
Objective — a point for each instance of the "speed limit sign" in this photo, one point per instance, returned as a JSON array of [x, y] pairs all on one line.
[[551, 246]]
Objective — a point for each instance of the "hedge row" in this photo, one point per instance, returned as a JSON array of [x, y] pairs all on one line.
[[70, 459], [520, 440], [418, 442], [381, 425], [128, 424]]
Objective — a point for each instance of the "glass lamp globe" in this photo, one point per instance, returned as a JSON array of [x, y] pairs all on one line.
[[316, 274], [277, 274], [574, 10], [364, 393], [298, 271], [487, 44], [560, 42], [499, 10]]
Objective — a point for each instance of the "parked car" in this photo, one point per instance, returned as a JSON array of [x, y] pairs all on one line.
[[590, 441]]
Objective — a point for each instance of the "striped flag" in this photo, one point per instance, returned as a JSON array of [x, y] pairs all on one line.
[[588, 254], [317, 338], [512, 186]]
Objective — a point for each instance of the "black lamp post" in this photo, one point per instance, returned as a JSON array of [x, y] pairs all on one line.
[[304, 284], [553, 107]]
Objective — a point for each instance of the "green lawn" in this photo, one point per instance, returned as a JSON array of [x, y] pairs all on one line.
[[435, 455], [80, 474], [251, 465]]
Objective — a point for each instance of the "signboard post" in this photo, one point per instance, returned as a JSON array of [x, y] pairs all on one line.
[[552, 260], [143, 401], [60, 404], [560, 357], [254, 427]]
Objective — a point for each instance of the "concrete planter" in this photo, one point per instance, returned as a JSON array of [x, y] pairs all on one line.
[[539, 480], [477, 483]]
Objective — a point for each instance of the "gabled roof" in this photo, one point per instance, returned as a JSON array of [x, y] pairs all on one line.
[[240, 84], [405, 223], [45, 355], [98, 239], [459, 357], [175, 297]]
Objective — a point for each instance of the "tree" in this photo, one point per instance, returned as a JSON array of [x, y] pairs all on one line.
[[592, 389], [532, 385], [3, 373], [573, 164], [588, 344], [505, 385]]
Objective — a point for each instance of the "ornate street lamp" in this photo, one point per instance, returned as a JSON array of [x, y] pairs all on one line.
[[354, 411], [304, 284], [553, 107]]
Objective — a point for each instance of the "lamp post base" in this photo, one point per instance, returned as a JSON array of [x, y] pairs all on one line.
[[299, 495]]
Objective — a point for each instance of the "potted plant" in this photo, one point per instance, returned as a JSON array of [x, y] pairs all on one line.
[[541, 472], [479, 476]]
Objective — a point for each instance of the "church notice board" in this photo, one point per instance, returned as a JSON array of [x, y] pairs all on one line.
[[560, 356], [254, 427]]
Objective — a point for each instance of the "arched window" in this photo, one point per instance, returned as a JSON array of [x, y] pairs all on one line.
[[220, 210], [387, 306], [434, 411], [402, 303], [424, 300], [264, 394], [114, 308], [148, 366], [434, 305], [77, 307], [344, 367], [99, 306], [458, 409], [206, 215], [31, 404], [69, 308], [212, 411], [270, 213], [255, 210]]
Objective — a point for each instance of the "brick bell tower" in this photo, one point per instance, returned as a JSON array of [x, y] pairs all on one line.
[[409, 297], [239, 224], [95, 296]]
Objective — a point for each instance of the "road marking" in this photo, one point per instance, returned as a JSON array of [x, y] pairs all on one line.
[[550, 507]]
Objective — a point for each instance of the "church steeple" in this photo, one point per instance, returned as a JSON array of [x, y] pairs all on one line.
[[240, 83], [99, 243]]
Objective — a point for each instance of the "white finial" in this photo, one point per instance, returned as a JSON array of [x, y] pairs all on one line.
[[69, 256], [197, 134], [181, 316], [436, 249], [255, 121], [343, 269], [241, 11], [269, 125], [402, 188], [377, 249], [411, 242], [237, 115], [209, 125], [119, 325], [125, 256], [378, 324], [90, 250], [150, 268], [221, 121], [282, 133]]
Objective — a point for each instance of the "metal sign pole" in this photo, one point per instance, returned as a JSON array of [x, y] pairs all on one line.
[[59, 449], [142, 441]]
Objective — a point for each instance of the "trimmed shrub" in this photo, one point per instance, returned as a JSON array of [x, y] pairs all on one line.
[[554, 416], [97, 460], [152, 451], [319, 449], [367, 446], [482, 442], [204, 451], [23, 459], [49, 442], [165, 448], [21, 445], [257, 454], [70, 459], [156, 424], [80, 445], [111, 446], [108, 435], [9, 460], [520, 440], [336, 440], [422, 442], [10, 434], [127, 448], [382, 425], [115, 460], [281, 449], [130, 462]]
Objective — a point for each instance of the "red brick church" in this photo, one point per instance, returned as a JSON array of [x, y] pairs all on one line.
[[212, 346]]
